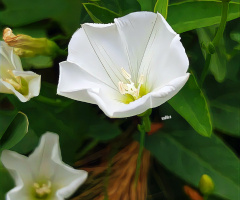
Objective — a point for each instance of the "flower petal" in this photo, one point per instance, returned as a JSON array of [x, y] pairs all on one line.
[[33, 80], [159, 96], [18, 166], [82, 53], [173, 62], [19, 193], [41, 159], [76, 83], [136, 30]]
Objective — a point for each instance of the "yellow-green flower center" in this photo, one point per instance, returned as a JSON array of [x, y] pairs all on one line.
[[42, 191], [129, 90], [18, 82]]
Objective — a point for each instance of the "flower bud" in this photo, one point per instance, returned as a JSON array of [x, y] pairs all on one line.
[[211, 48], [27, 46], [206, 184]]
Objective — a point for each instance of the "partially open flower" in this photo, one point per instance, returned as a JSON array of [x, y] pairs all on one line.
[[13, 80], [27, 46], [125, 67], [42, 175]]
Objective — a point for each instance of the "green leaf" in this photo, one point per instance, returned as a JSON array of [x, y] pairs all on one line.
[[191, 104], [162, 7], [190, 155], [103, 130], [14, 132], [188, 15], [218, 64], [100, 14], [226, 114], [147, 5], [66, 12], [6, 182]]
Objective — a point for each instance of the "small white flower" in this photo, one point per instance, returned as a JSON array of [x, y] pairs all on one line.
[[13, 80], [42, 175], [125, 67]]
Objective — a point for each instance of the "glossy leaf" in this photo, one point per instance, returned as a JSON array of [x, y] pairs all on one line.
[[191, 104], [162, 7], [6, 181], [190, 155], [226, 114], [100, 14], [66, 13], [147, 5], [189, 15], [14, 133]]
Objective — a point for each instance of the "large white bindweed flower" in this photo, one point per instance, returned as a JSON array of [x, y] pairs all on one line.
[[42, 175], [125, 67], [13, 80]]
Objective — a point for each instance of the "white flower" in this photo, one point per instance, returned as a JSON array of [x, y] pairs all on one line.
[[125, 67], [42, 175], [13, 80]]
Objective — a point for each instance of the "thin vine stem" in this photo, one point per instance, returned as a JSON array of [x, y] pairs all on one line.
[[217, 38]]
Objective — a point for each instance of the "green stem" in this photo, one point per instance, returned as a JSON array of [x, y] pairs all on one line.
[[139, 158], [217, 38]]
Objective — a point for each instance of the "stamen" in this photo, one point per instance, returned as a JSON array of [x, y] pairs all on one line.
[[130, 88], [121, 87], [17, 82], [42, 190], [125, 74]]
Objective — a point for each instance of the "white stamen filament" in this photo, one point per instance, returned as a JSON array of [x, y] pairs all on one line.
[[15, 81], [42, 190], [129, 88]]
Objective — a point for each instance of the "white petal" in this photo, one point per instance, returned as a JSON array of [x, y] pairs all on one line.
[[171, 64], [76, 83], [8, 58], [108, 47], [41, 159], [33, 80], [68, 180], [18, 167], [116, 109], [19, 193], [82, 53], [136, 30]]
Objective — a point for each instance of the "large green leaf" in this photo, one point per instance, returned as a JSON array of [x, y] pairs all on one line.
[[190, 155], [100, 14], [147, 5], [15, 131], [65, 12], [6, 181], [189, 15], [219, 59], [162, 7], [191, 104], [226, 114]]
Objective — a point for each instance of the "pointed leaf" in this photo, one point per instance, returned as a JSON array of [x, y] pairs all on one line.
[[191, 104]]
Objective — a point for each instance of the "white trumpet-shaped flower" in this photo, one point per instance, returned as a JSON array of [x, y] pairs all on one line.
[[42, 175], [13, 80], [125, 67]]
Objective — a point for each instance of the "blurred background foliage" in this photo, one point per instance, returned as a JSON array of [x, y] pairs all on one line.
[[180, 154]]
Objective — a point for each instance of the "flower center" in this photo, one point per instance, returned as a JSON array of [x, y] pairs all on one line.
[[42, 190], [17, 82], [130, 88]]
